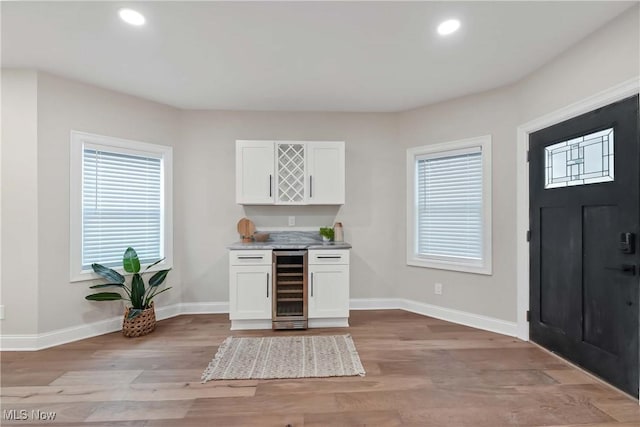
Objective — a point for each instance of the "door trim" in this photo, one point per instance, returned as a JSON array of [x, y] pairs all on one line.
[[616, 93]]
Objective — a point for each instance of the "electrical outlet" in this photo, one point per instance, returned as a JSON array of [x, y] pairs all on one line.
[[1, 312], [292, 221], [438, 289]]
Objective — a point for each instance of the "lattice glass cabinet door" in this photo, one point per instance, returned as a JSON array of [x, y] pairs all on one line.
[[290, 173]]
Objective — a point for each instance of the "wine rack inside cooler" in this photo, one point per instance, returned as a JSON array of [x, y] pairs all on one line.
[[289, 289]]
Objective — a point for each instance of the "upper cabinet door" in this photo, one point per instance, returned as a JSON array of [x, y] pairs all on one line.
[[255, 172], [290, 177], [325, 173]]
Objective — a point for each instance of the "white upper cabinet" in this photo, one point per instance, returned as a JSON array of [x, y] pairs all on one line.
[[325, 173], [290, 173], [255, 172]]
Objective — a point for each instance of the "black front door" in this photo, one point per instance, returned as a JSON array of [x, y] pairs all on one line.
[[585, 223]]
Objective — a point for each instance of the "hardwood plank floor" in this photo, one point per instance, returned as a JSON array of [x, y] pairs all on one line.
[[420, 372]]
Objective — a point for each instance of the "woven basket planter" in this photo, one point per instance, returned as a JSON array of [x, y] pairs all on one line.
[[144, 324]]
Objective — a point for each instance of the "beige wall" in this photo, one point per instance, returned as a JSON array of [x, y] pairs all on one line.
[[64, 105], [205, 175], [602, 60], [493, 113], [19, 179], [605, 58]]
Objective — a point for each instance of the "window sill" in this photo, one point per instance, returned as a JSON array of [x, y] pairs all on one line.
[[86, 275], [449, 265]]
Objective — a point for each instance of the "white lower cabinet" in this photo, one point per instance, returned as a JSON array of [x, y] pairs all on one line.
[[328, 287], [250, 289], [251, 292]]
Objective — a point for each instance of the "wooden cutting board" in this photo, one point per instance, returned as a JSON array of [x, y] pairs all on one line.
[[246, 228]]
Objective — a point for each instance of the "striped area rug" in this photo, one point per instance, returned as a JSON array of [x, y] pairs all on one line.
[[284, 357]]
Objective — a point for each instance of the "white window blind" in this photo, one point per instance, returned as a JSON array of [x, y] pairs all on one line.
[[449, 199], [121, 206]]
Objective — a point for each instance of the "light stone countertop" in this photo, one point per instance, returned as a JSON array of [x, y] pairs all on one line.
[[290, 240], [269, 245]]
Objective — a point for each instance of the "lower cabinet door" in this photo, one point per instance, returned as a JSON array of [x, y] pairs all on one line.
[[328, 291], [250, 292]]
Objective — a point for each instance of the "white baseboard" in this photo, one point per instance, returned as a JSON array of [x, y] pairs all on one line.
[[162, 313], [204, 307], [19, 342], [456, 316], [75, 333], [461, 317], [62, 336], [338, 322], [241, 325]]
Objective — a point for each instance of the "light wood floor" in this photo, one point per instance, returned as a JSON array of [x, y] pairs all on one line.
[[420, 371]]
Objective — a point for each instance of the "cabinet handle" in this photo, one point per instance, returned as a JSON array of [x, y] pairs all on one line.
[[250, 257], [311, 284], [329, 257], [310, 186], [270, 185], [267, 285]]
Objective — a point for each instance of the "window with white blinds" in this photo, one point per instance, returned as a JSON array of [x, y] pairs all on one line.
[[449, 214], [449, 211], [121, 197], [121, 207]]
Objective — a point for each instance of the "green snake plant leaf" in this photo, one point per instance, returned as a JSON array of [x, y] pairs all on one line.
[[157, 262], [104, 296], [106, 285], [130, 261], [137, 291], [109, 274], [158, 278]]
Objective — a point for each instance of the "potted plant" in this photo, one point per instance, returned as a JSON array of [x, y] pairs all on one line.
[[140, 317], [326, 233]]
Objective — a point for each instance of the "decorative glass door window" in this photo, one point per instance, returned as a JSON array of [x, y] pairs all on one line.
[[584, 160], [290, 173]]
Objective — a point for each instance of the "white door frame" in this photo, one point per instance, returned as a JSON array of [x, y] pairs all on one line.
[[601, 99]]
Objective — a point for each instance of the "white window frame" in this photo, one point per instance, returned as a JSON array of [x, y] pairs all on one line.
[[78, 142], [484, 266]]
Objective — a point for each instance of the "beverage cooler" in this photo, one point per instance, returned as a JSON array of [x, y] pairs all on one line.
[[289, 289]]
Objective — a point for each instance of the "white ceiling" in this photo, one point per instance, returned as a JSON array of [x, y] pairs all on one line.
[[302, 56]]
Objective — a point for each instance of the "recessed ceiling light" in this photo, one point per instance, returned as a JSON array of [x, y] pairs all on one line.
[[449, 26], [132, 17]]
